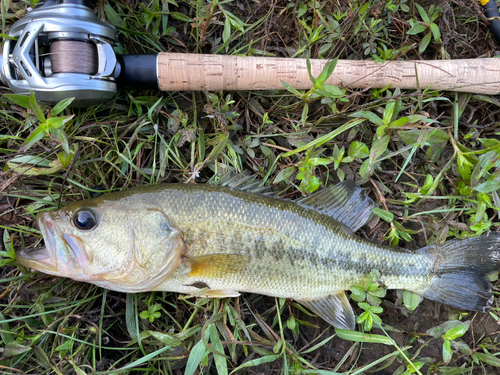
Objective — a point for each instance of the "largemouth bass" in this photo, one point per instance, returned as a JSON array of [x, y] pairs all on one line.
[[221, 240]]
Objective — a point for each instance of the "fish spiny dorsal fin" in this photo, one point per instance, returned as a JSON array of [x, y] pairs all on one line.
[[345, 202], [334, 309], [243, 182]]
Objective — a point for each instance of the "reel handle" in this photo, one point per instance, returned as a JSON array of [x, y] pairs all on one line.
[[46, 3], [192, 72]]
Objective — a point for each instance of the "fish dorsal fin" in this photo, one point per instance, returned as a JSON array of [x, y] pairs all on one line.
[[243, 182], [345, 202], [334, 309]]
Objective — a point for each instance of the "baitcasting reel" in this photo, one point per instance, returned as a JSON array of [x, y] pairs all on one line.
[[61, 50]]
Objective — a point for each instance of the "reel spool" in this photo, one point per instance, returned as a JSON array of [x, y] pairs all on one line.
[[68, 56], [61, 50]]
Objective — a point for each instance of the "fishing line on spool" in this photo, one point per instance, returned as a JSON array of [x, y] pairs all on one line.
[[73, 56]]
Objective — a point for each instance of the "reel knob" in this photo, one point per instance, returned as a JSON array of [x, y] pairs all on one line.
[[61, 50]]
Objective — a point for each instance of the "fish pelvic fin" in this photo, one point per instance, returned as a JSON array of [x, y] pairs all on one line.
[[334, 309], [216, 265], [225, 293], [460, 272], [345, 202]]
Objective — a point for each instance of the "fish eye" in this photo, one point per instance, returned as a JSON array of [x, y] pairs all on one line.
[[84, 219]]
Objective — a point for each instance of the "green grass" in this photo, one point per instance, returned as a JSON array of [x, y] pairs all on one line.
[[430, 160]]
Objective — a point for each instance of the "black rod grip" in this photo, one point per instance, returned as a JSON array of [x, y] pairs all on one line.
[[493, 15], [137, 71]]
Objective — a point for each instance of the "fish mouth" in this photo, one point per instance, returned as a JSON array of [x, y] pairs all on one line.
[[38, 258], [42, 258], [63, 254]]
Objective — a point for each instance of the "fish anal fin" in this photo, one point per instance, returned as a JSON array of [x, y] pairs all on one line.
[[345, 202], [216, 265], [334, 309]]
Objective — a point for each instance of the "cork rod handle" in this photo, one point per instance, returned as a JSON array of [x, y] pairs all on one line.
[[194, 72]]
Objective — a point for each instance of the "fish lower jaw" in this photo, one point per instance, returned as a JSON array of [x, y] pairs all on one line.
[[39, 260]]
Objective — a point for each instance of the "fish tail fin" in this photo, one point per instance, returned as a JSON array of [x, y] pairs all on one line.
[[461, 269]]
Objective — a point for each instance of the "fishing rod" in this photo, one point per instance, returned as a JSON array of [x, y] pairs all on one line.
[[61, 49]]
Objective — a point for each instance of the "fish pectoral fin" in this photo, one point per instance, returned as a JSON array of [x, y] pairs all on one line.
[[216, 265], [334, 309]]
